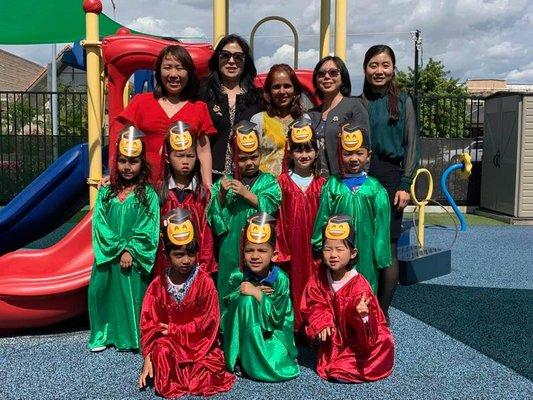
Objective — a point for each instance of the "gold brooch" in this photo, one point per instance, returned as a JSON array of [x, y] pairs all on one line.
[[216, 110]]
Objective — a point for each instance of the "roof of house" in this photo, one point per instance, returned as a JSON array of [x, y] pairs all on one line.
[[17, 73]]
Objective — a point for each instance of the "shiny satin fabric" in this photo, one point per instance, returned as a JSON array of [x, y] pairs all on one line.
[[189, 359], [357, 351], [369, 207], [115, 294], [295, 225], [197, 207], [227, 223], [259, 334], [273, 142]]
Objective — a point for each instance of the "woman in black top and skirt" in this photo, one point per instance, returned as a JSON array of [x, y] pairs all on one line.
[[230, 95], [395, 148]]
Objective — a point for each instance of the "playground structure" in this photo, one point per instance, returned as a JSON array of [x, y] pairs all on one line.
[[41, 287]]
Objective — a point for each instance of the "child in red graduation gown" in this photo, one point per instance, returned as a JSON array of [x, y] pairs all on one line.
[[182, 187], [301, 186], [343, 314], [180, 319]]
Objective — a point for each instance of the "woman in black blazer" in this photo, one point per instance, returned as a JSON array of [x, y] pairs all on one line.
[[332, 85]]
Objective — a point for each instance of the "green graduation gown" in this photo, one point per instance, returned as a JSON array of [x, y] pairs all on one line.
[[228, 221], [115, 295], [260, 334], [370, 209]]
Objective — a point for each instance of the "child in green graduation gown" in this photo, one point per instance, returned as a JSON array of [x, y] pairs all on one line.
[[125, 236], [363, 198], [235, 198], [259, 320]]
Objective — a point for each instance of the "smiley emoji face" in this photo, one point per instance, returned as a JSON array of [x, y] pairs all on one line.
[[258, 233], [180, 140], [337, 230], [351, 139], [248, 142], [301, 135], [180, 234], [130, 148]]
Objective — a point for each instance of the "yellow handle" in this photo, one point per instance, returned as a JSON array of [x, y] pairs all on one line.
[[422, 203]]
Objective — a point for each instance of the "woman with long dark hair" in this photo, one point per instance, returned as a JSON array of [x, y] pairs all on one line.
[[282, 101], [332, 85], [173, 99], [230, 95], [395, 148]]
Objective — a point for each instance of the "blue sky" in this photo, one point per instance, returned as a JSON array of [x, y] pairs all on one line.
[[474, 39]]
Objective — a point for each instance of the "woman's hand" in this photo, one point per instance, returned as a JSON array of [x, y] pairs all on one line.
[[148, 371], [126, 260], [401, 199]]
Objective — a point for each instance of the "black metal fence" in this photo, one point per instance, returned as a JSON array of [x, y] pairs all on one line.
[[27, 141], [450, 126]]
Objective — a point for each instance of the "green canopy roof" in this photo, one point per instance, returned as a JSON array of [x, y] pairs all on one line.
[[47, 21]]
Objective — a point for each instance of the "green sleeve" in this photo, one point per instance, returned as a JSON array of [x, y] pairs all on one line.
[[268, 194], [322, 215], [145, 236], [382, 247], [412, 147], [217, 216], [107, 245], [274, 309]]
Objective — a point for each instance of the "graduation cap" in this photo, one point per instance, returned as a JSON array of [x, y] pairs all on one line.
[[180, 136], [246, 136], [301, 131], [339, 227], [179, 226], [352, 137], [261, 229], [130, 143]]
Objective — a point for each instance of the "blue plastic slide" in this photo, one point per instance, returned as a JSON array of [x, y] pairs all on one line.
[[48, 202]]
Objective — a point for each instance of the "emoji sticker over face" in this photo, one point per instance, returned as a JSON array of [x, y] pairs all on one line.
[[301, 135], [337, 230], [351, 139], [180, 136], [258, 234], [130, 144], [247, 142], [180, 234]]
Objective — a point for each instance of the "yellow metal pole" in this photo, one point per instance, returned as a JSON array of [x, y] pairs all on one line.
[[220, 20], [341, 12], [92, 9], [422, 203], [325, 18]]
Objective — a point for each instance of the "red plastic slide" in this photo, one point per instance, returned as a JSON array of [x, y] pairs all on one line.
[[41, 287]]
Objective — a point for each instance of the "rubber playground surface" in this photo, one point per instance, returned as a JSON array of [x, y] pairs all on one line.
[[466, 335]]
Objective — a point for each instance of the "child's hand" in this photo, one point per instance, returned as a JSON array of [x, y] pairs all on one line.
[[250, 290], [126, 260], [362, 307], [266, 289], [325, 333], [238, 187], [164, 328], [148, 371], [105, 181], [225, 185]]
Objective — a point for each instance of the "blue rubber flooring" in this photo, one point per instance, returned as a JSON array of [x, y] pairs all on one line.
[[466, 335]]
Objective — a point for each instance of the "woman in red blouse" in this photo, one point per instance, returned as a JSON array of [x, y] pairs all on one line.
[[173, 99]]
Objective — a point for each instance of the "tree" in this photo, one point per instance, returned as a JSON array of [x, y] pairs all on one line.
[[442, 100]]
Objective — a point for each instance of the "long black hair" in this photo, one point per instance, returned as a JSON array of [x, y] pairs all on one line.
[[190, 90], [346, 86], [249, 72], [393, 89]]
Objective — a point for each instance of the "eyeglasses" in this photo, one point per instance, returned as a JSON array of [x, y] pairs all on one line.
[[225, 56], [333, 73]]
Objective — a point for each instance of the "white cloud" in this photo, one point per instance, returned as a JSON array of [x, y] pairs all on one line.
[[504, 49], [285, 54], [521, 75]]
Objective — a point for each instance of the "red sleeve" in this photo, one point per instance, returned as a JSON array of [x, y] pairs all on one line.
[[130, 114], [206, 125], [151, 316], [207, 252], [197, 337], [282, 227], [316, 309]]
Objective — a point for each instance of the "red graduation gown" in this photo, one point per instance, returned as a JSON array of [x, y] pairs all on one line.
[[296, 219], [357, 351], [206, 253], [189, 359]]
